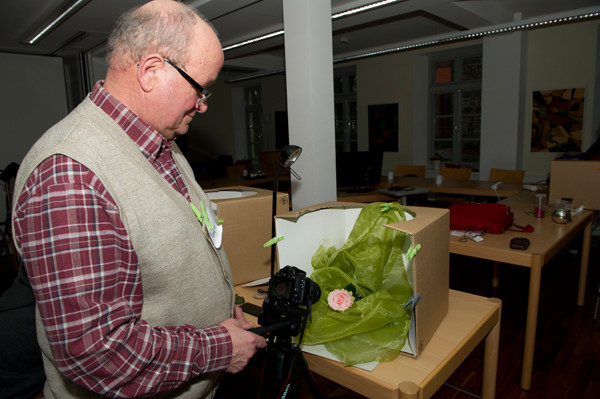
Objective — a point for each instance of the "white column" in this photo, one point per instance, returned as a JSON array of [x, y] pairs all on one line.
[[309, 80]]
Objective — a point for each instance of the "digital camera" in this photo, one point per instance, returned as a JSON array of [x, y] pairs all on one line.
[[290, 296]]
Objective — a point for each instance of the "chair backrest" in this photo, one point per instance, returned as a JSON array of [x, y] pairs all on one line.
[[506, 175], [235, 170], [456, 173], [410, 170], [269, 161]]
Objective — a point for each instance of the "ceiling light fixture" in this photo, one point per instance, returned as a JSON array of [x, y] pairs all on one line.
[[256, 39], [334, 16], [37, 36], [472, 34], [363, 8], [475, 34]]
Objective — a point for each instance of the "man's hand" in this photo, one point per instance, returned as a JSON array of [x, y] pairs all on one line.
[[244, 342]]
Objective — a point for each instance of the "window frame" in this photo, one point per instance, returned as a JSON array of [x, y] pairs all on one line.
[[456, 88]]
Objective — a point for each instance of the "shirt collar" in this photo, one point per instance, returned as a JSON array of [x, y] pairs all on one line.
[[148, 139]]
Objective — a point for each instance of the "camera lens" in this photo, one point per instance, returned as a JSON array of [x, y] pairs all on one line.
[[315, 291]]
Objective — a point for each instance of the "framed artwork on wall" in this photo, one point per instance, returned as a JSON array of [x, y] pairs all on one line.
[[383, 127], [557, 120]]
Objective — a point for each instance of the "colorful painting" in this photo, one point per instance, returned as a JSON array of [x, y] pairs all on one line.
[[557, 120]]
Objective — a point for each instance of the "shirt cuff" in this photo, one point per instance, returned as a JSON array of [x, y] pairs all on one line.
[[218, 352]]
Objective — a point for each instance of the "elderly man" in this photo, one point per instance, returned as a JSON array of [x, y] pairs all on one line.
[[134, 294]]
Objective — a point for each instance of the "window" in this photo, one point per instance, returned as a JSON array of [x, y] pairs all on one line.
[[346, 133], [455, 109]]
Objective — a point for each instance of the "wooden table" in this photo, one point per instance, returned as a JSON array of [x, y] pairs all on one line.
[[369, 196], [475, 188], [240, 181], [471, 319], [547, 240], [379, 195], [460, 187]]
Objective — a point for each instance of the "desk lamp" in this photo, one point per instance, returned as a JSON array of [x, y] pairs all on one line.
[[289, 155]]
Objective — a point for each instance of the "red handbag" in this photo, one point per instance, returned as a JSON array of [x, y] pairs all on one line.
[[488, 218]]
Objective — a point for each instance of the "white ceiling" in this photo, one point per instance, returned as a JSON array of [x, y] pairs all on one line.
[[403, 22]]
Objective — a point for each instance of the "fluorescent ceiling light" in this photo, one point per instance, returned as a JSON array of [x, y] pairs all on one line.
[[472, 34], [256, 39], [475, 34], [363, 8], [334, 16], [66, 13]]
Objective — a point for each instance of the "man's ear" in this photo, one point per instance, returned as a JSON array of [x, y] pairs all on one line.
[[147, 71]]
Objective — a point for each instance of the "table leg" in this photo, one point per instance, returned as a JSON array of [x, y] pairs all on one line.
[[490, 358], [408, 390], [496, 275], [535, 278], [585, 258]]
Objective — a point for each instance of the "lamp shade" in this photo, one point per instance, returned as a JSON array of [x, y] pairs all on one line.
[[289, 155]]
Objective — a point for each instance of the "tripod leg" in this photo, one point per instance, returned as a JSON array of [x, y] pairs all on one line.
[[597, 304], [303, 366]]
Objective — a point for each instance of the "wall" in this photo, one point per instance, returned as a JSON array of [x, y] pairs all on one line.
[[387, 80], [562, 57], [554, 57], [398, 78], [33, 99], [212, 134], [222, 129], [548, 60]]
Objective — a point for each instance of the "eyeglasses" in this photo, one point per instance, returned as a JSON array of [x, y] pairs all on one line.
[[204, 94]]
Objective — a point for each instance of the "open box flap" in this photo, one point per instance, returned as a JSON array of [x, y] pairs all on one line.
[[429, 229]]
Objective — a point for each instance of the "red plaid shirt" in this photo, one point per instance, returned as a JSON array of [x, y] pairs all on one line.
[[90, 295]]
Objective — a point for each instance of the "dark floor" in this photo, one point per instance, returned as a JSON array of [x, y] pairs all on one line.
[[567, 357]]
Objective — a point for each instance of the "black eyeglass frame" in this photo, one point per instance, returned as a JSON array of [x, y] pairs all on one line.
[[191, 81]]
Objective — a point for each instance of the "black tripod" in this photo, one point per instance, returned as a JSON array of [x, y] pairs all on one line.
[[285, 365]]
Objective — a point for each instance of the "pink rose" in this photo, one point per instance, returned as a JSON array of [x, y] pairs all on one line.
[[340, 300]]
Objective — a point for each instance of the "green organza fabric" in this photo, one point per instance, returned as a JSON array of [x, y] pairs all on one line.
[[376, 326]]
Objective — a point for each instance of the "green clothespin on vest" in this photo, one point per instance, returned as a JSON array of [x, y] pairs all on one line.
[[202, 216]]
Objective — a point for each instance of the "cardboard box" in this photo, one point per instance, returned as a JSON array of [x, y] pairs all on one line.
[[247, 216], [579, 180], [331, 222]]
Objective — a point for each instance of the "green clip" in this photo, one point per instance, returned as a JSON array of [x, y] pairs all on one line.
[[220, 221], [197, 212], [412, 252], [205, 215], [272, 241], [386, 207], [202, 216]]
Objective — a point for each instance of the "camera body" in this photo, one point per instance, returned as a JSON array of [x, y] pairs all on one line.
[[289, 298], [291, 286]]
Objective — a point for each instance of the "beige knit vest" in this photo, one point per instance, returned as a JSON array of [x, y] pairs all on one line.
[[185, 279]]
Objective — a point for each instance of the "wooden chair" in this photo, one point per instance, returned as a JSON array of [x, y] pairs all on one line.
[[235, 170], [456, 173], [410, 170], [506, 175], [443, 200]]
